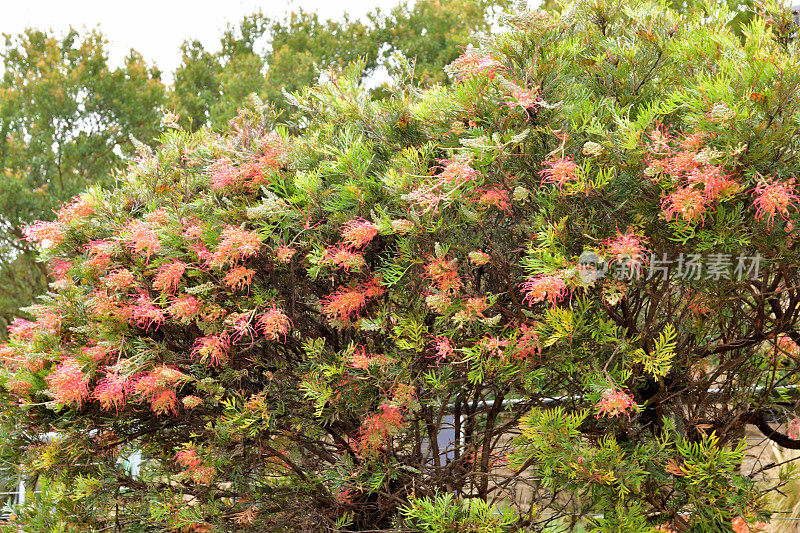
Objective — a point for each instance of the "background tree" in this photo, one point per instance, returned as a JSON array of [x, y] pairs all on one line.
[[209, 88], [65, 117]]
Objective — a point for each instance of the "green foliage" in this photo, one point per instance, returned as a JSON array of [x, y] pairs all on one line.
[[445, 514], [65, 118], [373, 312]]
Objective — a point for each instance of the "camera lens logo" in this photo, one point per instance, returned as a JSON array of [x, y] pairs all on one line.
[[591, 267]]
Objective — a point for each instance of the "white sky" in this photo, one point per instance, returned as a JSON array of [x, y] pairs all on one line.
[[156, 28]]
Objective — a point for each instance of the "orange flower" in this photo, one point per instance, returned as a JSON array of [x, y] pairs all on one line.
[[444, 274], [47, 234], [236, 243], [274, 324], [614, 403], [164, 402], [773, 197], [184, 307], [111, 391], [343, 257], [378, 428], [359, 232], [77, 210], [542, 287], [285, 253], [559, 171], [169, 276], [141, 239], [213, 348], [120, 279], [344, 303], [495, 197], [239, 277], [67, 383], [685, 201], [99, 255]]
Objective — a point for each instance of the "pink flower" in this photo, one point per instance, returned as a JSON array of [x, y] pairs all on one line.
[[443, 348], [359, 232], [794, 428], [457, 172], [687, 202], [59, 268], [223, 174], [111, 391], [239, 277], [22, 329], [285, 253], [614, 403], [144, 313], [274, 324], [527, 344], [236, 243], [495, 197], [714, 182], [169, 276], [67, 383], [471, 64], [213, 348], [627, 249], [544, 287], [184, 307], [77, 210], [523, 97], [343, 257], [47, 234], [788, 346], [193, 229], [141, 239], [559, 171], [774, 197]]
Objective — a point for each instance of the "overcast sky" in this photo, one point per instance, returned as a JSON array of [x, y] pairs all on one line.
[[156, 28]]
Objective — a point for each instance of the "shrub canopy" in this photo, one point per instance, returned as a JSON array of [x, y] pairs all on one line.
[[557, 290]]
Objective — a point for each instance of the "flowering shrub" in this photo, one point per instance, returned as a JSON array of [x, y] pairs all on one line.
[[385, 315]]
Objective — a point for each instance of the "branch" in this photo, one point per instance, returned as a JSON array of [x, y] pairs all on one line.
[[757, 418]]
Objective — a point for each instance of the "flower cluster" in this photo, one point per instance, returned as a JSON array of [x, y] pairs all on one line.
[[544, 287], [775, 198], [473, 63], [614, 403], [67, 383]]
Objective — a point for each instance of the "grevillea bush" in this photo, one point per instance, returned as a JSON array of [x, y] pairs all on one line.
[[555, 292]]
